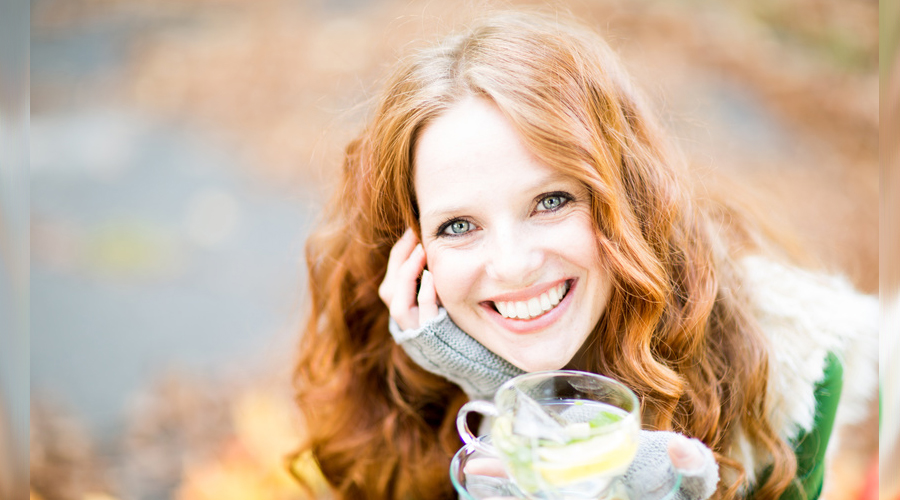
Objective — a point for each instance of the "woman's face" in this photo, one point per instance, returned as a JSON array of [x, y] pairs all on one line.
[[510, 241]]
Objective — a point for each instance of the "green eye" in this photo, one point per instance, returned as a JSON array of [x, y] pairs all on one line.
[[458, 227], [552, 202]]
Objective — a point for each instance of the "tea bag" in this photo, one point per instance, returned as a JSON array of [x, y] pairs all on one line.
[[536, 421]]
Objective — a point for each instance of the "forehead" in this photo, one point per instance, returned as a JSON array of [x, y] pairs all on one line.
[[473, 126], [472, 147]]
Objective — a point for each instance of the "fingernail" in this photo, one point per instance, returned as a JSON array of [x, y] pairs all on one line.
[[682, 449], [426, 275], [684, 455], [418, 248]]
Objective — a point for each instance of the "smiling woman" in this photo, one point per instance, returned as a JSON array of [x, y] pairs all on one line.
[[517, 163]]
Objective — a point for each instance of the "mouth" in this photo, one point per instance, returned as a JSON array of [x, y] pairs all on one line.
[[534, 307]]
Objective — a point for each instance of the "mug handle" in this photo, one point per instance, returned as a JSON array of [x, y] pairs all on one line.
[[462, 426]]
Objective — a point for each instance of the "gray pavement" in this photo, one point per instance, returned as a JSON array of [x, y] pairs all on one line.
[[153, 247]]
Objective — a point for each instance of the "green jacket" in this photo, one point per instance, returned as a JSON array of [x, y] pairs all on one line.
[[810, 446]]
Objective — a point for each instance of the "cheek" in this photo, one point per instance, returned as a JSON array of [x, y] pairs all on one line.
[[580, 242], [453, 274]]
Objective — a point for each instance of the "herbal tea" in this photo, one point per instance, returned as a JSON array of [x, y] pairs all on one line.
[[569, 448], [560, 435]]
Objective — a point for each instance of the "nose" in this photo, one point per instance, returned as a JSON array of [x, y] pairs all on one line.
[[514, 257]]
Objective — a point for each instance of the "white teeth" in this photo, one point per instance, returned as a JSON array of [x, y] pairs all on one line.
[[522, 310], [545, 302], [553, 295], [535, 306]]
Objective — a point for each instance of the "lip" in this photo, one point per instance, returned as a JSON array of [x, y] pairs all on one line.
[[530, 325], [528, 293]]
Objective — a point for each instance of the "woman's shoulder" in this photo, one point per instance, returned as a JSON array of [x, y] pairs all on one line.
[[811, 321], [824, 305], [804, 312], [807, 315]]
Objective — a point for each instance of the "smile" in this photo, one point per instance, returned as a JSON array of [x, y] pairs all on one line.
[[535, 306]]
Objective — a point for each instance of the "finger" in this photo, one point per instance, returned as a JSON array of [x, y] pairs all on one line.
[[407, 278], [427, 298], [697, 466], [685, 456], [400, 252], [403, 306], [402, 248], [492, 467]]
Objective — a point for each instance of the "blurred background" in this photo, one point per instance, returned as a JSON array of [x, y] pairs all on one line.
[[181, 149], [889, 362]]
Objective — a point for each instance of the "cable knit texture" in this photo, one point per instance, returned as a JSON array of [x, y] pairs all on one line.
[[651, 475], [440, 347]]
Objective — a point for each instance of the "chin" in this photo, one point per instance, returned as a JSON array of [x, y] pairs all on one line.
[[540, 365]]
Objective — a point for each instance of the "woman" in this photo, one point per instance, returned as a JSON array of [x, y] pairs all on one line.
[[557, 232]]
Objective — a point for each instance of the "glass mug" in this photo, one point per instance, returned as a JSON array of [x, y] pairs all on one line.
[[560, 434]]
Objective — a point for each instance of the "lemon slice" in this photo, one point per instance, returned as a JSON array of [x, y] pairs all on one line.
[[598, 456]]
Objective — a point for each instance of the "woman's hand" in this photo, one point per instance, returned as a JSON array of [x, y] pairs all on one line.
[[428, 335], [662, 456], [684, 454], [410, 309]]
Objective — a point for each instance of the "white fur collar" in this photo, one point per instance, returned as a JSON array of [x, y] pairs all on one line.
[[805, 316]]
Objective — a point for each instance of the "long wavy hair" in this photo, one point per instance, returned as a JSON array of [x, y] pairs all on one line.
[[675, 330]]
